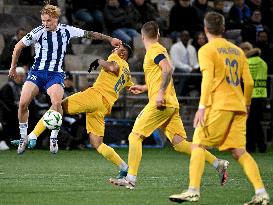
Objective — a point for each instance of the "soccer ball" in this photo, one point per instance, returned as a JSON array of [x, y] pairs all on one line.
[[52, 120]]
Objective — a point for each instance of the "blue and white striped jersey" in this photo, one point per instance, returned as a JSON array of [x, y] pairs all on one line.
[[50, 47]]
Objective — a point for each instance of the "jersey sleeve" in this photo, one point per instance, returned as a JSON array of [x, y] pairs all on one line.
[[157, 55], [206, 67], [75, 32], [32, 36], [113, 57]]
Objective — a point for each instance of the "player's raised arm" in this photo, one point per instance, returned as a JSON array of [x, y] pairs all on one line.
[[99, 36]]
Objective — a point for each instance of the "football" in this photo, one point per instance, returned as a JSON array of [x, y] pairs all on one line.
[[52, 120]]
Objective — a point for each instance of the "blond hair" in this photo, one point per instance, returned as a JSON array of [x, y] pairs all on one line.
[[51, 10]]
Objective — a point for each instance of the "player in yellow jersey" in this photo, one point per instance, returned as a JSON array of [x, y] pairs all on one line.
[[221, 118], [97, 101], [162, 111]]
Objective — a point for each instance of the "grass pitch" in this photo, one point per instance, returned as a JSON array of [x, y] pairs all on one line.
[[81, 177]]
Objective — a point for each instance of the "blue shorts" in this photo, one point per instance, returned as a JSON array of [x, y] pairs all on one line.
[[45, 79]]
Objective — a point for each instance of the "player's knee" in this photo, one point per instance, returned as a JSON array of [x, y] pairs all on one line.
[[133, 137], [177, 139], [95, 141], [237, 153]]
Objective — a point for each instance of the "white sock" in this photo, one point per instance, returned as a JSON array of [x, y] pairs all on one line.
[[54, 134], [23, 129], [259, 191], [123, 166], [216, 163], [32, 136], [192, 189], [131, 178]]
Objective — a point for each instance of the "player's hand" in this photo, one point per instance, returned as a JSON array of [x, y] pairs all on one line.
[[199, 118], [116, 42], [12, 73], [94, 65], [137, 89], [160, 101]]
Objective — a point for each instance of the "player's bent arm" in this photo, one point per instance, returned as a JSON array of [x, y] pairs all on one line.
[[16, 54], [166, 74], [109, 66]]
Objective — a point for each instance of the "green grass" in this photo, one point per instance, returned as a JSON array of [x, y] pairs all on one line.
[[80, 177]]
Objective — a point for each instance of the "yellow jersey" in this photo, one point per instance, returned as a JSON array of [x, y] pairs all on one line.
[[110, 84], [224, 67], [153, 76]]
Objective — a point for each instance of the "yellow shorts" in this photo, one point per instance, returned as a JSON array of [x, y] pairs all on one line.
[[93, 104], [151, 118], [222, 129]]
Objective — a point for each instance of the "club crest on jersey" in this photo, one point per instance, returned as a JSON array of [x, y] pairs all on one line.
[[29, 37]]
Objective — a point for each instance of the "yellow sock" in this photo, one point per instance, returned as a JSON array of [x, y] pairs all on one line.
[[197, 165], [251, 170], [110, 154], [185, 147], [39, 128], [135, 153]]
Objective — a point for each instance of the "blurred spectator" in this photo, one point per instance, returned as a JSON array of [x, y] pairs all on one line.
[[202, 8], [218, 6], [9, 99], [258, 68], [267, 13], [68, 84], [254, 4], [239, 14], [199, 40], [266, 47], [120, 23], [90, 12], [149, 12], [253, 27], [26, 57], [184, 59], [182, 17]]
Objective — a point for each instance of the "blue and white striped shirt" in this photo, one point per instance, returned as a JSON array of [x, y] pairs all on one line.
[[50, 47]]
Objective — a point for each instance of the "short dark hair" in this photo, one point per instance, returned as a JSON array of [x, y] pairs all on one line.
[[150, 29], [129, 49], [215, 23]]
